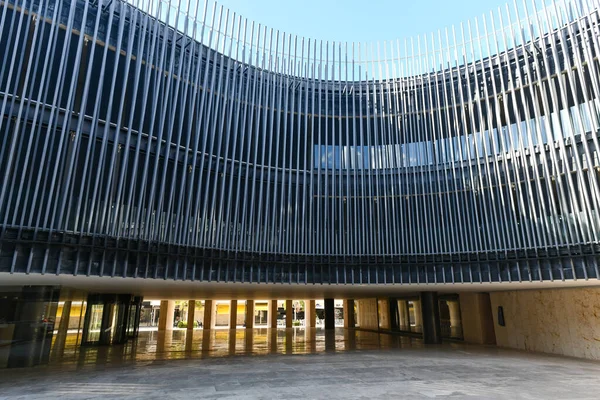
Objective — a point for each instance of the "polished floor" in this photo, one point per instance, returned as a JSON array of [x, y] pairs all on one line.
[[297, 363], [210, 343]]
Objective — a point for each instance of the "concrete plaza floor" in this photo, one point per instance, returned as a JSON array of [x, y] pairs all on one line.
[[281, 364]]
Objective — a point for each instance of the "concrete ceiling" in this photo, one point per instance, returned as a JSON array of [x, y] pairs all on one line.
[[182, 290]]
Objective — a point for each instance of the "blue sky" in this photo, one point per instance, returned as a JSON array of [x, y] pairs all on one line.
[[361, 20]]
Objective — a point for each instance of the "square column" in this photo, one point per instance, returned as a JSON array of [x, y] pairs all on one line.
[[477, 318], [249, 336], [418, 311], [167, 313], [310, 314], [289, 313], [233, 314], [368, 314], [272, 317], [329, 314], [190, 317], [249, 314], [383, 313], [404, 316], [349, 321], [63, 327], [208, 314], [432, 331]]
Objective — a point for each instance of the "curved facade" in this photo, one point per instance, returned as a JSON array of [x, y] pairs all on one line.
[[223, 150]]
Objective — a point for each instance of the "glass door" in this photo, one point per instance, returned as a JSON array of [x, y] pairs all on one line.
[[111, 319], [131, 325], [93, 326], [120, 322]]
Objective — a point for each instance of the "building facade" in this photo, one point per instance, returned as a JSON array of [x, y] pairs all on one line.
[[148, 140], [213, 148]]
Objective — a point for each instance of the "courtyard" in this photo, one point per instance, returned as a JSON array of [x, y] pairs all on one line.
[[298, 363]]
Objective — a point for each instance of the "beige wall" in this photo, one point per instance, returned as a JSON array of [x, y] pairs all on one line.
[[477, 321], [560, 321], [367, 314]]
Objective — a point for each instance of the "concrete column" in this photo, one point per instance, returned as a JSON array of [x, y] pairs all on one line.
[[208, 314], [249, 314], [310, 314], [403, 315], [191, 314], [65, 316], [329, 340], [289, 313], [163, 340], [63, 327], [349, 321], [273, 341], [232, 314], [432, 332], [167, 313], [189, 339], [477, 318], [272, 315], [383, 312], [367, 314], [311, 340], [329, 314], [249, 344], [207, 336], [350, 339], [232, 342], [191, 318], [417, 309]]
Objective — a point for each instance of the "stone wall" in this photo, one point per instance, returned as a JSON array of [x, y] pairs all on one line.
[[560, 321]]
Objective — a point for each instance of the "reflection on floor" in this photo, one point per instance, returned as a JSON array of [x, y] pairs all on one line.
[[343, 364], [185, 344]]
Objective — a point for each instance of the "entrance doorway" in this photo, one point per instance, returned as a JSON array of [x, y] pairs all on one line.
[[111, 319]]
